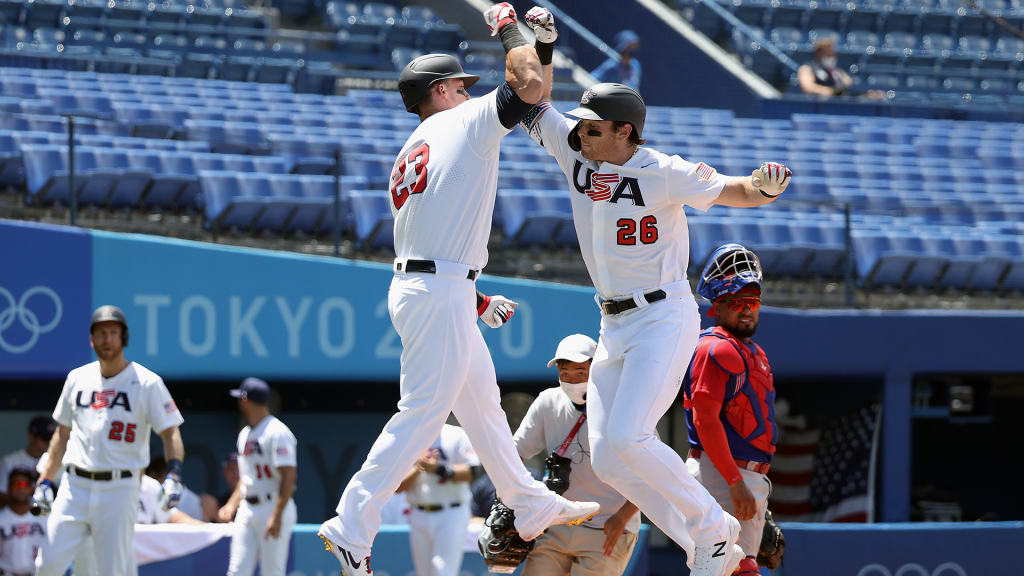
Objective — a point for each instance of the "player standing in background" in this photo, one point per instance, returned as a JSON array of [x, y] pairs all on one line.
[[21, 534], [730, 398], [437, 490], [40, 430], [556, 424], [627, 207], [262, 503], [105, 414], [443, 188]]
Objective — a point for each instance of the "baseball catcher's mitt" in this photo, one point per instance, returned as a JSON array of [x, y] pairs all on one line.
[[501, 546], [773, 543]]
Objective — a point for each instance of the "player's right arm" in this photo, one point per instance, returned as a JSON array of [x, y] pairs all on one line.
[[410, 477], [58, 445], [227, 512]]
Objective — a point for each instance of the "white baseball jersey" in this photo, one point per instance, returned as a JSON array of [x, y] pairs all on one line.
[[452, 448], [261, 450], [20, 460], [111, 418], [21, 536], [444, 182], [629, 219], [546, 425]]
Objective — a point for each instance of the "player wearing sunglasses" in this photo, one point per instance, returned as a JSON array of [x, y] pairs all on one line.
[[730, 398]]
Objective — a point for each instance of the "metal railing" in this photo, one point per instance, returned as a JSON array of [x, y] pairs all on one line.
[[748, 32]]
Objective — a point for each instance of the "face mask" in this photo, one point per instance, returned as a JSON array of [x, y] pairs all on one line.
[[829, 62], [576, 392]]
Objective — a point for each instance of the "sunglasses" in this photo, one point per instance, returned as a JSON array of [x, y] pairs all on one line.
[[738, 303], [20, 484]]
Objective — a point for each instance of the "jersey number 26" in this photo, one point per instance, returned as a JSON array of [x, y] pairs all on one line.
[[410, 175]]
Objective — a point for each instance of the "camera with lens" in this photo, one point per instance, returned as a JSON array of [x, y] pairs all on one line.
[[558, 468]]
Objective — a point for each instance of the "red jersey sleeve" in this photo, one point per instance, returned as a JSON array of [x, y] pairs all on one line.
[[715, 362]]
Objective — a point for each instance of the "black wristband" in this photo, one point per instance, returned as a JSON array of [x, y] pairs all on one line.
[[544, 51], [444, 471], [511, 37], [174, 467]]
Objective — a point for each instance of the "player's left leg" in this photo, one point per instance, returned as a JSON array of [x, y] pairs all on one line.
[[246, 541], [451, 540], [112, 514], [274, 551]]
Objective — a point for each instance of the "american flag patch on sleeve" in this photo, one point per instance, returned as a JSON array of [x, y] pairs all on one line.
[[170, 408], [705, 172], [282, 451]]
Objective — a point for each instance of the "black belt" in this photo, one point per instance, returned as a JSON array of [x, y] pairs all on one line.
[[437, 507], [428, 267], [613, 307], [6, 573], [254, 500], [101, 476]]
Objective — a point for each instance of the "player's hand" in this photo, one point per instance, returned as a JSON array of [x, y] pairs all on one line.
[[499, 16], [226, 514], [42, 499], [771, 178], [170, 492], [613, 529], [542, 22], [743, 503], [273, 526], [496, 310], [427, 464]]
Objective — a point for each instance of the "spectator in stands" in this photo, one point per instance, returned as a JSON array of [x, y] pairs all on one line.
[[211, 504], [823, 76], [625, 70], [40, 429]]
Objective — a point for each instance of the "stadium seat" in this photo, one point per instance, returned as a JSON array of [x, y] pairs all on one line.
[[374, 225]]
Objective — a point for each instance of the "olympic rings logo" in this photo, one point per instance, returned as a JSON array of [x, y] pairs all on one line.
[[19, 310], [913, 569]]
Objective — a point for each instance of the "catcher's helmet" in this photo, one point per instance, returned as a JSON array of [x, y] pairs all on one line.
[[110, 314], [729, 269], [417, 77], [609, 101]]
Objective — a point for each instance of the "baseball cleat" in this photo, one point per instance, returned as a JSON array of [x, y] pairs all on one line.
[[576, 513], [719, 558], [350, 565]]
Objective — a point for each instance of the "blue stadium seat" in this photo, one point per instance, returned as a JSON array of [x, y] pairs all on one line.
[[374, 225], [530, 218], [233, 200]]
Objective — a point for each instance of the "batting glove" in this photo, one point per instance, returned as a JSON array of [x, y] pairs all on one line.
[[42, 499], [542, 22], [170, 492], [499, 16], [496, 310], [771, 179]]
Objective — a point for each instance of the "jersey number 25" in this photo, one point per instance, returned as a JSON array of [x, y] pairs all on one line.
[[410, 175]]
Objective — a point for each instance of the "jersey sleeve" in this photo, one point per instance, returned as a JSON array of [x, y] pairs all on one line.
[[464, 452], [482, 123], [529, 438], [163, 412], [62, 413], [551, 130], [697, 185], [714, 362], [283, 449]]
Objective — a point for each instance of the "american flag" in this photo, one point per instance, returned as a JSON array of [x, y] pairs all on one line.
[[600, 186], [705, 172], [170, 408], [827, 475]]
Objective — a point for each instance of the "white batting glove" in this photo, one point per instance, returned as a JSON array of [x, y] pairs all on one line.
[[771, 178], [42, 498], [498, 16], [170, 492], [542, 22], [496, 310]]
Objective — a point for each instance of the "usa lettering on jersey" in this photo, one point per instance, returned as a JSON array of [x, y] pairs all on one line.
[[600, 186], [252, 447], [22, 530], [99, 399]]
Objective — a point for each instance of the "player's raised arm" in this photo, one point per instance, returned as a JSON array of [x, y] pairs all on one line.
[[542, 22], [522, 67], [764, 185]]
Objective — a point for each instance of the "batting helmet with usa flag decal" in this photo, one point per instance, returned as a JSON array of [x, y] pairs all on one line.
[[730, 268]]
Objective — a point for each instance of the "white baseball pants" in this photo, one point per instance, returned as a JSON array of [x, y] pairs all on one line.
[[446, 368], [106, 511], [250, 543], [437, 540], [638, 367], [709, 477]]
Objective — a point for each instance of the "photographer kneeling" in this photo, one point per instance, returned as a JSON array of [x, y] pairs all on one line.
[[556, 425]]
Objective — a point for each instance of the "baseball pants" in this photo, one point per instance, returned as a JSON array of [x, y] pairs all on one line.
[[750, 530], [437, 540], [250, 542], [104, 510], [579, 551], [638, 367], [446, 368]]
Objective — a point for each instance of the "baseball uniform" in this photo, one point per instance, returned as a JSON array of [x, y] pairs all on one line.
[[111, 420], [547, 424], [443, 188], [150, 511], [439, 508], [262, 449], [21, 536], [635, 244]]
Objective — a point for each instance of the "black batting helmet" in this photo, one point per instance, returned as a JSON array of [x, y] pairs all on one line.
[[609, 101], [109, 313], [419, 75]]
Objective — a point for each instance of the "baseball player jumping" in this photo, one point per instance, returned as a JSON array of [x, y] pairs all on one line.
[[730, 398], [627, 207], [443, 187], [104, 415], [437, 490], [262, 502]]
